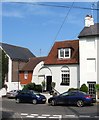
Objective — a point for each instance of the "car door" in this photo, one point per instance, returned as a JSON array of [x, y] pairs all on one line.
[[28, 97], [72, 97], [63, 98]]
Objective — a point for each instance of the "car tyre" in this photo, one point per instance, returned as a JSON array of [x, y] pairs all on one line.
[[53, 102], [34, 101], [17, 100], [80, 103]]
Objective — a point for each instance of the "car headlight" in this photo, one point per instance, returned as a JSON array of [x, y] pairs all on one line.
[[37, 96]]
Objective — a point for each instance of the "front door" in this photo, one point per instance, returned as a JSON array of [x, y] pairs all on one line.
[[91, 88], [48, 83]]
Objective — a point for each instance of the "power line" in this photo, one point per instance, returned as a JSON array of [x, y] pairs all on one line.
[[64, 21], [57, 6]]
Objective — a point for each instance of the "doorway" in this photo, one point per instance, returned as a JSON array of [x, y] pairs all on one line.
[[48, 83], [91, 89]]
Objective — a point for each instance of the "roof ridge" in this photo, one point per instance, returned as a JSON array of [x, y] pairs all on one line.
[[13, 45], [67, 41]]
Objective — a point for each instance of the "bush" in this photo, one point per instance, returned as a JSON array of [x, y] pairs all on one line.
[[84, 88], [38, 88], [33, 86], [53, 84], [97, 87], [71, 89]]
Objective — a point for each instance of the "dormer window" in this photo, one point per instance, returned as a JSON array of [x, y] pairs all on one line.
[[64, 53]]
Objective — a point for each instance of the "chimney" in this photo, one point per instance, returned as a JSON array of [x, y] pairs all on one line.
[[89, 21]]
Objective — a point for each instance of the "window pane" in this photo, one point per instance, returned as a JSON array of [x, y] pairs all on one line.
[[65, 74]]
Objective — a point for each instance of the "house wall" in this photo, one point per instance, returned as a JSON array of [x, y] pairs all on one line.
[[16, 66], [88, 53], [44, 71], [24, 81], [35, 76], [56, 77], [97, 59], [13, 67]]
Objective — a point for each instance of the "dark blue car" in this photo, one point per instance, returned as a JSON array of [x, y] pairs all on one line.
[[71, 98], [30, 96]]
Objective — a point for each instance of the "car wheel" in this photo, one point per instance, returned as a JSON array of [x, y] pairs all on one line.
[[17, 100], [34, 101], [80, 103], [53, 102]]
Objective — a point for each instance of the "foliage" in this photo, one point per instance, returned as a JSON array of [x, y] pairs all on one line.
[[33, 86], [97, 87], [3, 66], [53, 84], [43, 83], [84, 88], [70, 89], [38, 88]]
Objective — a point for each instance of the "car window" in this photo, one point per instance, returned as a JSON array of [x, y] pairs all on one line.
[[64, 94]]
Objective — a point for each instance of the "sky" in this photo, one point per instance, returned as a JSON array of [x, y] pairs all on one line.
[[38, 27]]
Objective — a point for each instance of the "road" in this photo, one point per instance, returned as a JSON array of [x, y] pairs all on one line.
[[10, 109]]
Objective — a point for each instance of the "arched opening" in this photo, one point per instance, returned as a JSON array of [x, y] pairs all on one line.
[[45, 75]]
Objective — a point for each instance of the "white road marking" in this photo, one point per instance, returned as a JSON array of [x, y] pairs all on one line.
[[58, 116], [71, 116], [29, 116], [52, 117], [96, 116], [84, 116], [34, 114], [41, 117], [45, 115], [24, 114]]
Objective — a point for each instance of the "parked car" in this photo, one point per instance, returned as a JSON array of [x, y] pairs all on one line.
[[12, 93], [71, 98], [30, 96]]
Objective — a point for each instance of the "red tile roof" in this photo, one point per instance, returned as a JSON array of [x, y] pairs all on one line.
[[31, 64], [53, 59]]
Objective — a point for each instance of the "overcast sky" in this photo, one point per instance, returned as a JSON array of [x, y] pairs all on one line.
[[37, 27]]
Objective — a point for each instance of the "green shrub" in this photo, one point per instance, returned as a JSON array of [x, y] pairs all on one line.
[[84, 88], [97, 87], [53, 84], [33, 86], [38, 88], [70, 89]]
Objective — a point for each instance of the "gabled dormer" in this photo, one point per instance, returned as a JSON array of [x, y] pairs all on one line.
[[64, 52]]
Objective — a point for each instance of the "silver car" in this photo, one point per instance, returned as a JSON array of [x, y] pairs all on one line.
[[12, 93]]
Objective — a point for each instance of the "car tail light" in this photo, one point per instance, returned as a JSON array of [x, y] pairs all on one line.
[[87, 96]]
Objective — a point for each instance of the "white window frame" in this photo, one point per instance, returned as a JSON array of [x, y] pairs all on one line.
[[25, 75], [64, 55], [65, 76], [89, 69]]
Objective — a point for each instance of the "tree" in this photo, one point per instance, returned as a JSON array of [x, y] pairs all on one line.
[[3, 67]]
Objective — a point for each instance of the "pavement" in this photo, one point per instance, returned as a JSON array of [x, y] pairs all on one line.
[[47, 95]]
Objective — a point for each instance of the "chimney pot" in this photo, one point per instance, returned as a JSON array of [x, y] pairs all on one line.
[[89, 21]]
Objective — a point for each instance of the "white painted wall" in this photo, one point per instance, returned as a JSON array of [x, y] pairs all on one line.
[[13, 86], [56, 77], [87, 50], [36, 72], [97, 62], [55, 72]]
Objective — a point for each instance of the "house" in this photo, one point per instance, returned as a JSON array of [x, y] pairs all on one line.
[[17, 58], [30, 70], [71, 63], [89, 56]]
